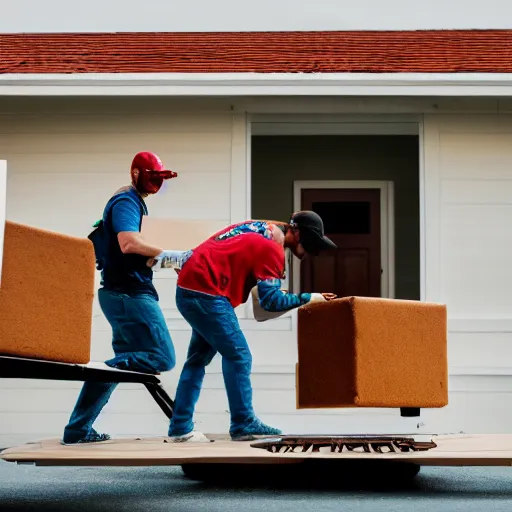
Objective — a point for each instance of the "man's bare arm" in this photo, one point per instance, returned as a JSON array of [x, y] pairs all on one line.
[[132, 242]]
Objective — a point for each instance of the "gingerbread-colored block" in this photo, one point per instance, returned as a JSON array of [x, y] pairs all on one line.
[[370, 352], [46, 295]]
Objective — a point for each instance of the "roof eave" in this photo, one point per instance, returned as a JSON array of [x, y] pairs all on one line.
[[257, 84]]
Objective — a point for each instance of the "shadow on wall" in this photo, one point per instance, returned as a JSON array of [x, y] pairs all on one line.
[[277, 161]]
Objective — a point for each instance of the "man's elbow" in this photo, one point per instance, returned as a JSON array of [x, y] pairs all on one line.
[[127, 248], [267, 306], [127, 242]]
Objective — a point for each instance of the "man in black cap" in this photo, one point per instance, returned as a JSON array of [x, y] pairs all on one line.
[[216, 277], [304, 234]]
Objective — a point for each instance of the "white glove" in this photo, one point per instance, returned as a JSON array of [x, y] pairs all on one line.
[[317, 297], [168, 259]]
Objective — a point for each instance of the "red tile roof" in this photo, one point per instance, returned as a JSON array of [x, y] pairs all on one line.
[[262, 52]]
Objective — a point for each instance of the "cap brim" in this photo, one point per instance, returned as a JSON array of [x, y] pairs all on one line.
[[316, 244], [165, 174], [327, 243]]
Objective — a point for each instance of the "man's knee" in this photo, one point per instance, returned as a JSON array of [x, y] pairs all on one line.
[[167, 364], [162, 360], [201, 358], [144, 362], [241, 355]]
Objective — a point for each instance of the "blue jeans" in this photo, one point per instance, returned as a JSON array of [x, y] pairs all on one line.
[[141, 342], [215, 329]]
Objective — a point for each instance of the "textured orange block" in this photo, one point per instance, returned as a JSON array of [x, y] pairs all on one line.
[[368, 352], [46, 295]]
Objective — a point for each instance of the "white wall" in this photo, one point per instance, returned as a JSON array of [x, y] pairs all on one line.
[[467, 186], [86, 149], [62, 170], [64, 163], [468, 181], [263, 15]]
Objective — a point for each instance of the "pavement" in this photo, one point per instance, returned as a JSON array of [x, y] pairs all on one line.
[[153, 489]]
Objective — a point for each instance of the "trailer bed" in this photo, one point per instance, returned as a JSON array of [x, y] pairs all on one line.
[[450, 450]]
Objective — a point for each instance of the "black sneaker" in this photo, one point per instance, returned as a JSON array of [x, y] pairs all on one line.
[[92, 437], [254, 430]]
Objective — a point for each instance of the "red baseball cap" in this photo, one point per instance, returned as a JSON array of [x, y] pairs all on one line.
[[147, 161]]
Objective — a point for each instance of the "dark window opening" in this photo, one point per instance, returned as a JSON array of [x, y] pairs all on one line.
[[345, 218]]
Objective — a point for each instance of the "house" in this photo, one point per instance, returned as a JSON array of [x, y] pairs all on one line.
[[402, 140]]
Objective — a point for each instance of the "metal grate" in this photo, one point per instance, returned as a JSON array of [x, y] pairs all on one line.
[[343, 444]]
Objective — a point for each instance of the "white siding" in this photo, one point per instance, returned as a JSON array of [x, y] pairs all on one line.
[[89, 154], [62, 169], [467, 177], [468, 181]]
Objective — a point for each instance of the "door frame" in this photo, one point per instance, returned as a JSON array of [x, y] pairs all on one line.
[[387, 226]]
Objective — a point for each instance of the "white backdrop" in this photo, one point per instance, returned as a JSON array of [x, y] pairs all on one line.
[[243, 15]]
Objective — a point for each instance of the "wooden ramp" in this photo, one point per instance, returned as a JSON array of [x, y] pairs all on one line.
[[452, 450]]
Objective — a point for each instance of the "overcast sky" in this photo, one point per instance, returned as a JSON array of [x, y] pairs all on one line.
[[241, 15]]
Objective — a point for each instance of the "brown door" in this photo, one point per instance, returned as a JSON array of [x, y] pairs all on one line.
[[352, 221]]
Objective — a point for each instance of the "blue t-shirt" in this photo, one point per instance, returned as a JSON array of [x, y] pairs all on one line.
[[126, 273]]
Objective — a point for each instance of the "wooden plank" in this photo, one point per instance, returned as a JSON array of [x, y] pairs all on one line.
[[457, 450]]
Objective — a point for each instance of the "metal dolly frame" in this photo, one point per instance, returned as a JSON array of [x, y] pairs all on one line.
[[38, 369]]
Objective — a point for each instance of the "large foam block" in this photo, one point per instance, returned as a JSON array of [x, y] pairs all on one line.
[[46, 295], [368, 352]]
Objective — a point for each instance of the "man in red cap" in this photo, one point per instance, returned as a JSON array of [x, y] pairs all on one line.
[[128, 298]]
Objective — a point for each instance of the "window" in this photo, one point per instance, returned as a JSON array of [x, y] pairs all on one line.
[[344, 217]]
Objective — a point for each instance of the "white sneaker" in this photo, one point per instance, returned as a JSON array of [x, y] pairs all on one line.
[[191, 437]]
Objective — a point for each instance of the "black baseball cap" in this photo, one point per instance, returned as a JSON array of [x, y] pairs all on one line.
[[311, 229]]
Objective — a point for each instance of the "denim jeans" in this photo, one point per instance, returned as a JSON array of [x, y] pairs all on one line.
[[141, 342], [215, 329]]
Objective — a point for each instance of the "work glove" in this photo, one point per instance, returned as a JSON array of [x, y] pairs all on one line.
[[168, 259], [261, 315], [317, 297]]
